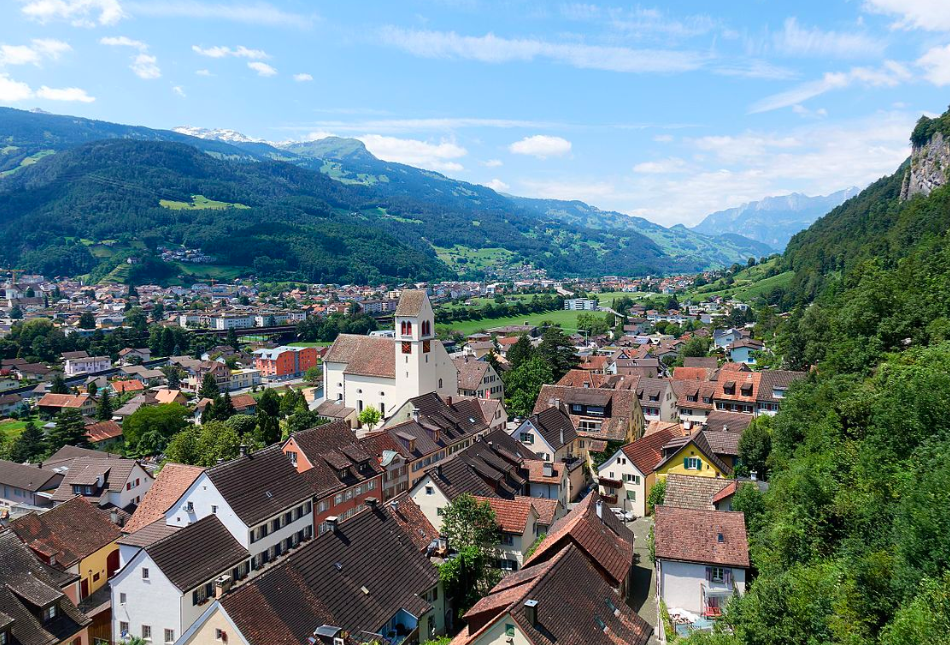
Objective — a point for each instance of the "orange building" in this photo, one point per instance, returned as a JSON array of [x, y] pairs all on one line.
[[285, 362]]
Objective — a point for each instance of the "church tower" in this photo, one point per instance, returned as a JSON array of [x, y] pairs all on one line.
[[420, 358]]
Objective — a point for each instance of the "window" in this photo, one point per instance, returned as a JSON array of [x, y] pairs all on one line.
[[214, 509], [527, 437], [507, 538], [49, 613], [692, 463], [430, 490], [509, 629], [144, 573], [146, 632], [717, 574], [219, 635], [169, 635], [123, 628], [632, 479], [121, 598]]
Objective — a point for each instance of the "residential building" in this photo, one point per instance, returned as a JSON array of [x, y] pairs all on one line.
[[27, 485], [694, 398], [521, 521], [702, 558], [549, 434], [737, 391], [529, 607], [600, 415], [657, 399], [104, 481], [580, 304], [692, 455], [284, 362], [75, 538], [626, 478], [33, 608], [53, 404], [363, 371], [86, 365], [104, 434], [479, 379], [232, 321], [744, 350], [773, 388], [389, 455], [705, 493], [242, 379]]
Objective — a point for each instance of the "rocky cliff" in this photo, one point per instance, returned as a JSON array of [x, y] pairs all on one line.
[[929, 166]]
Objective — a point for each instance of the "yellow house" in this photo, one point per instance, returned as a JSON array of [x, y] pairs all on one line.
[[691, 455], [75, 537]]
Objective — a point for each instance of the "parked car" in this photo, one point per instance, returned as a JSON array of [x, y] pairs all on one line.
[[626, 516]]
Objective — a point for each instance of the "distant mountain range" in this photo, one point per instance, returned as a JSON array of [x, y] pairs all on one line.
[[773, 220], [325, 210]]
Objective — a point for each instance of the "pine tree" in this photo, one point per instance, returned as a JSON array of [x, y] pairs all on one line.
[[104, 406], [70, 430], [209, 387], [58, 385], [520, 352], [29, 445]]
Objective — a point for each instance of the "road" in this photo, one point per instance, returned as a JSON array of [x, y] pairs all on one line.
[[642, 579]]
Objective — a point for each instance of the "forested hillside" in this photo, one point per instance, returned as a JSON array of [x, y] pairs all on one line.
[[851, 543]]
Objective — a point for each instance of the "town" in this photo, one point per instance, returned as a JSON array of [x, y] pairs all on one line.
[[177, 461]]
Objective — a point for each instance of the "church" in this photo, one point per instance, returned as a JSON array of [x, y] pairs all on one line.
[[363, 371]]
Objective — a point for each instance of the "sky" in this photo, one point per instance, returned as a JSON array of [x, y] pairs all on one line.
[[666, 110]]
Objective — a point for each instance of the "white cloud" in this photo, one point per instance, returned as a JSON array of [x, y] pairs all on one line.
[[73, 94], [123, 41], [493, 163], [316, 136], [257, 13], [434, 156], [443, 124], [237, 52], [262, 69], [12, 91], [796, 40], [936, 62], [81, 13], [931, 15], [35, 53], [498, 185], [805, 113], [541, 146], [890, 74], [145, 66], [303, 78], [593, 192], [663, 138], [203, 72], [494, 49], [179, 90], [667, 166]]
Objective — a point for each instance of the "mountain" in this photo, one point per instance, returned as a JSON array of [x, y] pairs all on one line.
[[678, 241], [773, 220]]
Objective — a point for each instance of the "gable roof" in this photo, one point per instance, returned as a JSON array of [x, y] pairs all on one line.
[[64, 400], [407, 514], [689, 491], [196, 553], [511, 515], [70, 531], [699, 441], [645, 453], [170, 484], [364, 355], [567, 575], [692, 535], [595, 531], [259, 485], [103, 431], [491, 467], [85, 471], [337, 457], [718, 420], [28, 477], [471, 372], [411, 302], [555, 426]]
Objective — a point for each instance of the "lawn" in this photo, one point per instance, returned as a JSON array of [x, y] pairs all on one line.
[[198, 202], [220, 272], [11, 428], [462, 259], [567, 320], [28, 161]]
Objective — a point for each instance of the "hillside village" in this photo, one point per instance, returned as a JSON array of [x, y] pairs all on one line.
[[405, 483]]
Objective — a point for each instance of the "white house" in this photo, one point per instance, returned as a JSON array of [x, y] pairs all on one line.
[[121, 483], [86, 365], [626, 478], [518, 520], [550, 435], [580, 304], [702, 557], [363, 371]]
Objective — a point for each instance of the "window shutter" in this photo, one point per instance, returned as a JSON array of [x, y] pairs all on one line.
[[708, 574], [727, 576], [686, 462]]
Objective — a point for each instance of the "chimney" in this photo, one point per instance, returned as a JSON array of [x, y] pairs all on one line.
[[415, 414], [372, 503], [333, 522], [548, 469], [443, 543], [531, 612], [754, 475], [243, 450], [600, 509], [114, 516]]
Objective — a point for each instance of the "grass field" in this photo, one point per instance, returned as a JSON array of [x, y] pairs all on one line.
[[221, 272], [28, 161], [11, 428], [567, 320], [748, 284], [198, 202], [463, 258]]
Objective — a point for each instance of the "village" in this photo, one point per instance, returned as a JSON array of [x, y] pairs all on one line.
[[382, 487]]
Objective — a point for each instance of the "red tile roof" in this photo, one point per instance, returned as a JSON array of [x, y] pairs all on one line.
[[647, 452], [103, 431], [172, 482], [70, 532], [701, 536]]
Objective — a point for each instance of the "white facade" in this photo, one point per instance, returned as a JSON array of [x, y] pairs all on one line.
[[631, 496], [580, 304], [529, 436], [689, 586], [232, 322], [76, 366], [153, 601], [511, 549], [430, 499]]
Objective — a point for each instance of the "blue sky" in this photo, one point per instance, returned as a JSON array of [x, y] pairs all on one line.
[[668, 110]]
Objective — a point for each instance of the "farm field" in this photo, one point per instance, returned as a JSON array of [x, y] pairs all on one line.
[[198, 202], [11, 428]]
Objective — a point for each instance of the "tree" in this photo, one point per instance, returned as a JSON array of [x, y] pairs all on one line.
[[243, 424], [313, 375], [205, 445], [70, 430], [268, 428], [520, 352], [209, 387], [291, 401], [657, 495], [29, 445], [468, 522], [87, 320], [557, 351], [16, 313], [472, 529], [92, 388], [304, 420], [696, 346], [523, 384], [58, 385], [755, 446], [369, 417], [104, 406], [232, 339], [269, 403], [149, 429], [173, 376]]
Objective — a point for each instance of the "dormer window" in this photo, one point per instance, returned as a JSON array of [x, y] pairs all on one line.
[[49, 613]]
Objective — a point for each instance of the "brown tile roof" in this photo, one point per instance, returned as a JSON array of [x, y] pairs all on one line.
[[692, 535], [773, 380], [511, 514], [705, 362], [63, 400], [721, 421], [471, 372], [149, 534], [689, 491], [196, 553], [170, 484], [582, 378], [536, 472], [28, 477], [723, 443], [547, 509], [70, 532], [491, 467], [167, 396], [85, 471], [130, 385], [411, 302], [243, 401], [103, 431], [602, 537], [413, 521], [63, 457], [364, 355], [691, 374], [595, 614], [645, 453], [332, 448]]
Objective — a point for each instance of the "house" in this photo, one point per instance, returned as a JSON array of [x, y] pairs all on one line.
[[520, 523], [127, 386], [694, 398], [580, 304], [363, 581], [558, 481], [389, 455], [478, 378], [109, 483], [103, 434], [75, 538], [702, 558], [599, 535], [86, 365], [626, 478], [549, 434], [600, 415], [657, 399], [704, 493], [27, 485], [10, 403], [52, 404], [493, 466], [147, 376], [723, 338], [773, 388], [692, 455], [744, 350], [529, 607], [341, 474], [284, 362], [336, 411], [243, 379], [167, 584], [33, 608], [165, 396], [132, 355], [170, 484], [737, 391], [363, 371]]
